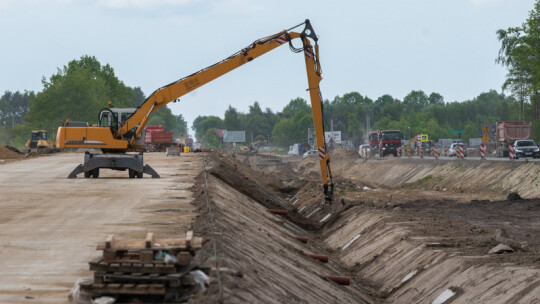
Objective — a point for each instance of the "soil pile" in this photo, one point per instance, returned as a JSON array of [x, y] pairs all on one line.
[[7, 152]]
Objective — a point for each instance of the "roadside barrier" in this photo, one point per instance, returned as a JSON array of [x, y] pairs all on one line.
[[445, 151], [483, 152], [459, 152], [399, 152], [409, 151], [436, 152], [511, 151], [421, 152]]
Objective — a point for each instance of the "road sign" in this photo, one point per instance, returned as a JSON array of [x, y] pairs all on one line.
[[457, 131], [423, 137], [485, 138], [486, 129]]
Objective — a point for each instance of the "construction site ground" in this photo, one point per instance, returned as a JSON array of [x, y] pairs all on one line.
[[403, 230]]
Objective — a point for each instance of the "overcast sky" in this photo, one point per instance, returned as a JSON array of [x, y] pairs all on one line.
[[374, 47]]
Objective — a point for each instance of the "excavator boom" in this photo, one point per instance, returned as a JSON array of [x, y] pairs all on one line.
[[126, 136]]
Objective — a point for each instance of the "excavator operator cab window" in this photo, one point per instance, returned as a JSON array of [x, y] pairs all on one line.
[[36, 135], [43, 135], [105, 120], [108, 119], [125, 117]]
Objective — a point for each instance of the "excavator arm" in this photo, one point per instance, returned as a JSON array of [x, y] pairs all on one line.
[[124, 138]]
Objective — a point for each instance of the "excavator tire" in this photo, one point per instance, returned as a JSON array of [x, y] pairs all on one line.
[[139, 174], [87, 174], [132, 173], [95, 173]]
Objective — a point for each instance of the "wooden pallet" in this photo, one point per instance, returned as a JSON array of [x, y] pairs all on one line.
[[143, 251], [159, 267], [123, 289], [150, 243]]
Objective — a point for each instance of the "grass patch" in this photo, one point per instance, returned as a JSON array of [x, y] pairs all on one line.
[[424, 180]]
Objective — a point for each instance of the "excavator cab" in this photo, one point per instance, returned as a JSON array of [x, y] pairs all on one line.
[[115, 118]]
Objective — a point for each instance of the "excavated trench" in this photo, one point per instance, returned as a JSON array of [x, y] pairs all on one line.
[[397, 242]]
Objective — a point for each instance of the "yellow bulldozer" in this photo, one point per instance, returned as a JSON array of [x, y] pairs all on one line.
[[39, 143]]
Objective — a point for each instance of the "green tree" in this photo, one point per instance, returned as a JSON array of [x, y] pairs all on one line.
[[13, 107], [294, 106], [232, 121]]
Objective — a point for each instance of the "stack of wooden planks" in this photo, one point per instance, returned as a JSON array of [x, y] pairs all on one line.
[[150, 267]]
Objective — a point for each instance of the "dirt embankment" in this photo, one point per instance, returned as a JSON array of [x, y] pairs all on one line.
[[399, 244], [416, 231], [259, 259]]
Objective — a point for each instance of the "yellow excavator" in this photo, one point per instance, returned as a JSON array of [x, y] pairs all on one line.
[[122, 130]]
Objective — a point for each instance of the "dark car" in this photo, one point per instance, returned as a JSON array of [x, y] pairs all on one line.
[[526, 148]]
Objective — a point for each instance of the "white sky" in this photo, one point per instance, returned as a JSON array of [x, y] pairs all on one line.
[[374, 47]]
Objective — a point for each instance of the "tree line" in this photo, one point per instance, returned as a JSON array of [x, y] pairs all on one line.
[[76, 92], [417, 113]]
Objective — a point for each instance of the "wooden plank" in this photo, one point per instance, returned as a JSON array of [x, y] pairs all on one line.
[[154, 289], [135, 267], [149, 240], [173, 243], [98, 277], [189, 238], [183, 258], [146, 256], [109, 242], [109, 255]]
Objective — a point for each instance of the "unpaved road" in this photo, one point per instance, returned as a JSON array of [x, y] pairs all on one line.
[[49, 225]]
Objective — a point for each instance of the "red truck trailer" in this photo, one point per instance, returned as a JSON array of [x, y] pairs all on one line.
[[157, 139], [507, 132]]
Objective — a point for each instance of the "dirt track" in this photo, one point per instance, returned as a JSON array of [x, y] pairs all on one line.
[[50, 225]]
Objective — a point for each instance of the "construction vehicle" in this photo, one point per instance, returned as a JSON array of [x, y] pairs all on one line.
[[116, 137], [385, 142], [39, 143], [507, 132], [252, 147], [157, 139]]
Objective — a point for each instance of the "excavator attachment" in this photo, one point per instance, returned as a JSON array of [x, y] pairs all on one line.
[[131, 162]]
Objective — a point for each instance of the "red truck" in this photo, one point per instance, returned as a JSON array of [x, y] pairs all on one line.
[[507, 132], [157, 139], [385, 142]]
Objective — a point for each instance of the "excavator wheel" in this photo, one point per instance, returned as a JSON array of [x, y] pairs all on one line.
[[139, 174], [87, 174], [95, 173], [132, 173]]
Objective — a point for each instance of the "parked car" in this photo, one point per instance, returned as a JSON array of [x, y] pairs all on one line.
[[452, 150], [364, 150], [310, 153], [526, 148]]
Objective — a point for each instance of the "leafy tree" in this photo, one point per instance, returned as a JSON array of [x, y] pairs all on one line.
[[415, 101], [202, 124], [296, 105], [211, 139], [13, 107], [435, 98], [232, 121]]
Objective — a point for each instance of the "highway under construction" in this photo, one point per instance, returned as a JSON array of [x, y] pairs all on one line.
[[399, 230]]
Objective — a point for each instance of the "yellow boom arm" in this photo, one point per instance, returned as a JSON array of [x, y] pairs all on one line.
[[175, 90]]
